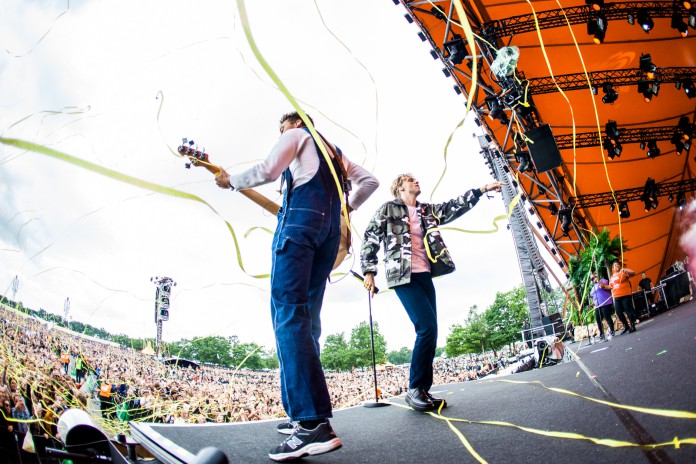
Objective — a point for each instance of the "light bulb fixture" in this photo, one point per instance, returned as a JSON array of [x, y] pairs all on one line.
[[610, 95], [645, 21], [650, 194], [597, 28], [623, 210], [553, 209], [612, 130], [456, 50], [647, 66], [670, 198], [653, 150], [595, 4], [681, 200], [524, 160], [679, 24], [566, 217], [689, 88]]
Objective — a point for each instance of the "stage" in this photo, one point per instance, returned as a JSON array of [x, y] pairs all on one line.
[[569, 413]]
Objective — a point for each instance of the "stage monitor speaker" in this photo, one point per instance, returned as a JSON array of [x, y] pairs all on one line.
[[553, 325], [544, 150]]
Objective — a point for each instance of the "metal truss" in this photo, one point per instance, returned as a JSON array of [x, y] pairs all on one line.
[[631, 194], [618, 77], [642, 135], [513, 25]]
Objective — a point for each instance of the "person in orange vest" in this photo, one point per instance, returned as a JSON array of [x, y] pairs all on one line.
[[65, 359], [106, 398], [622, 291]]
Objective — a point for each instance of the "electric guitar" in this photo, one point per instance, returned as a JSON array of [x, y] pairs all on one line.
[[199, 158]]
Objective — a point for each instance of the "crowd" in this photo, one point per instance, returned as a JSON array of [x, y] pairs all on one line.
[[46, 370]]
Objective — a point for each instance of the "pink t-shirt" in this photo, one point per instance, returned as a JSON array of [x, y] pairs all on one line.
[[419, 259]]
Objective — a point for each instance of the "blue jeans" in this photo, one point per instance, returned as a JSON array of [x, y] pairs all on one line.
[[304, 250], [418, 298]]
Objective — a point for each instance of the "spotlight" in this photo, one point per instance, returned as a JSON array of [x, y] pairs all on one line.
[[456, 49], [670, 198], [647, 66], [678, 143], [594, 89], [684, 128], [553, 209], [631, 18], [623, 210], [653, 150], [679, 24], [692, 19], [645, 21], [648, 89], [642, 144], [689, 88], [612, 130], [597, 28], [650, 194], [612, 207], [438, 13], [681, 200], [595, 4], [613, 148], [610, 95], [524, 160], [566, 220], [495, 110]]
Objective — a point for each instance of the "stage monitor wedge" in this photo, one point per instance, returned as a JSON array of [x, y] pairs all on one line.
[[542, 146]]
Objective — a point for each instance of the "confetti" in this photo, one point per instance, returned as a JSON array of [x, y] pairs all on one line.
[[661, 352]]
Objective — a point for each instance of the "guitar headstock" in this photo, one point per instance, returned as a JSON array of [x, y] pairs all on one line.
[[189, 149]]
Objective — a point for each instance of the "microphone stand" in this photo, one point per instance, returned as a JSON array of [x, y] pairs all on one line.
[[376, 403]]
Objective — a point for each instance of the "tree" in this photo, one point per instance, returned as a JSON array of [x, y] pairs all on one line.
[[402, 356], [213, 349], [335, 353], [246, 355], [470, 338], [361, 346], [504, 317]]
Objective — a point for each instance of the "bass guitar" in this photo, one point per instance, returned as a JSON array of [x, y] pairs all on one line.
[[199, 158]]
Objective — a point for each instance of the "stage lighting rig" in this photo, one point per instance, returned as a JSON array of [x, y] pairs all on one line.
[[612, 130], [681, 200], [597, 28], [684, 128], [689, 88], [650, 194], [595, 4], [647, 66], [610, 95], [614, 149], [495, 109], [645, 21], [524, 160], [653, 150], [566, 217], [679, 24], [648, 89], [456, 50], [624, 212]]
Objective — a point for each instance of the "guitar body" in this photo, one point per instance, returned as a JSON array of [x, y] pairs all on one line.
[[200, 158]]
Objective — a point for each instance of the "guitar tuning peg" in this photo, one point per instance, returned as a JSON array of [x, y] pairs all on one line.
[[191, 142], [184, 141], [188, 165]]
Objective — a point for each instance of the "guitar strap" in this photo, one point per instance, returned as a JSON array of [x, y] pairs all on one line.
[[338, 158]]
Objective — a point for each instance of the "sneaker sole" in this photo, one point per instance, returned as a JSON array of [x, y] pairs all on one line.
[[285, 431], [310, 450]]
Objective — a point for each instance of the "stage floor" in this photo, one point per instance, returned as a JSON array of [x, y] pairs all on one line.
[[636, 389]]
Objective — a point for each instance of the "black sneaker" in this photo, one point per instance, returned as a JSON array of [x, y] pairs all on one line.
[[286, 428], [305, 442]]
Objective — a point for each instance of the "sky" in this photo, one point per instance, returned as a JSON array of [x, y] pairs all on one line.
[[119, 84]]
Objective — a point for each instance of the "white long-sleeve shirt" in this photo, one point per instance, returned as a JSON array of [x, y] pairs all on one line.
[[295, 149]]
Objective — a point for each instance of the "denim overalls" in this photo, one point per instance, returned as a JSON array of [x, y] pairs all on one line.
[[305, 245]]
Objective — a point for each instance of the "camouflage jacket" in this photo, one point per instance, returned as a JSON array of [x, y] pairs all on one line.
[[390, 225]]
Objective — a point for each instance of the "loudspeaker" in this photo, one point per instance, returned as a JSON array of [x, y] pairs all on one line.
[[544, 150], [557, 324]]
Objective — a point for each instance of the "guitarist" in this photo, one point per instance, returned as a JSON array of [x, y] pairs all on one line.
[[305, 246]]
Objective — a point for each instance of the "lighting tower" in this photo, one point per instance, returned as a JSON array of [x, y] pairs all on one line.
[[15, 287], [164, 289], [66, 311]]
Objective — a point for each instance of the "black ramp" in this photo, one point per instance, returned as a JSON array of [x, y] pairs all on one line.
[[536, 421]]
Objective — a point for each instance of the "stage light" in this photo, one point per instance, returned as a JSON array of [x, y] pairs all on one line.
[[595, 4], [553, 209], [650, 194], [642, 144], [438, 13], [670, 198], [613, 149], [594, 89], [612, 131], [648, 89], [647, 66], [566, 220], [692, 19], [645, 21], [612, 207], [684, 128], [623, 210], [678, 143], [631, 18], [689, 88], [679, 24], [456, 49], [610, 95], [653, 150], [597, 28], [495, 110], [681, 200], [524, 160], [687, 5]]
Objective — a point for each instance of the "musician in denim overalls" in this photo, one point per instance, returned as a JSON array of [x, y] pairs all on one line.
[[305, 245]]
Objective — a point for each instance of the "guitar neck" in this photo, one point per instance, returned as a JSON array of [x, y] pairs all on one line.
[[267, 204]]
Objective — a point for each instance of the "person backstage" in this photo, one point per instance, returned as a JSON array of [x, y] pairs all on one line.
[[305, 246], [604, 306], [414, 254], [621, 290]]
